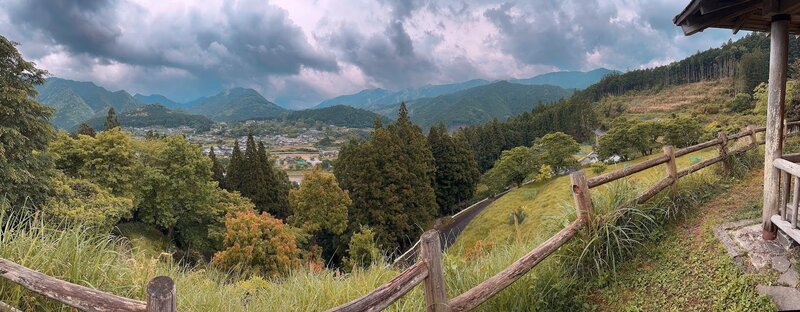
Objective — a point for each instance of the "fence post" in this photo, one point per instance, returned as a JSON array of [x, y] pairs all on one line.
[[752, 130], [723, 152], [672, 168], [161, 295], [583, 199], [435, 291]]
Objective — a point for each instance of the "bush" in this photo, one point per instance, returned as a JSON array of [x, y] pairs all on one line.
[[79, 201], [598, 167], [362, 251], [743, 102]]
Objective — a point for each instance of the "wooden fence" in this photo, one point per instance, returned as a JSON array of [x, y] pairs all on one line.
[[427, 270]]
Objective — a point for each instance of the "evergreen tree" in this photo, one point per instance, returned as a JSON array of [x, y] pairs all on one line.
[[111, 119], [390, 180], [218, 173], [456, 170], [25, 130], [276, 185], [86, 129], [234, 178]]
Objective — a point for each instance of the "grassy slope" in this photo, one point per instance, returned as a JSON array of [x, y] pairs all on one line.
[[676, 97], [544, 200], [688, 269]]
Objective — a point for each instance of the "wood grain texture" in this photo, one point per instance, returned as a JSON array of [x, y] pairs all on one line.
[[73, 295], [778, 63], [435, 291], [624, 172], [161, 295]]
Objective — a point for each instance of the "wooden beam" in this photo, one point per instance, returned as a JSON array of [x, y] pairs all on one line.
[[696, 23], [779, 51], [435, 291], [383, 296]]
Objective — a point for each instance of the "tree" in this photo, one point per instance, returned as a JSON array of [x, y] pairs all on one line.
[[79, 201], [682, 132], [217, 172], [362, 251], [390, 179], [456, 173], [107, 159], [319, 207], [236, 168], [111, 119], [255, 177], [753, 70], [556, 150], [257, 244], [743, 102], [86, 129], [25, 131], [175, 191], [513, 166]]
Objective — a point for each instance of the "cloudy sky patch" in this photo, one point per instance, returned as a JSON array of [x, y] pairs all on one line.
[[300, 52]]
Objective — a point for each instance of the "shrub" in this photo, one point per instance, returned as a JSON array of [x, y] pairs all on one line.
[[599, 167], [362, 251], [257, 244]]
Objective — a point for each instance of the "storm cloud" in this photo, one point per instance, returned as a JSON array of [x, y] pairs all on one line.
[[300, 52]]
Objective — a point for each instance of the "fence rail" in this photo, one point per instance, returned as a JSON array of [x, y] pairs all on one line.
[[427, 270]]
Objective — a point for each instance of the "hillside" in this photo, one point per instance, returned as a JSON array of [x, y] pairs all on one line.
[[70, 109], [157, 99], [567, 79], [374, 99], [156, 115], [237, 104], [338, 115], [480, 104], [97, 98]]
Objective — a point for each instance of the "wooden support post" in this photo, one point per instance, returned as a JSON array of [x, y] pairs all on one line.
[[723, 152], [778, 63], [161, 295], [752, 130], [435, 291], [785, 194], [795, 200], [672, 168], [583, 199]]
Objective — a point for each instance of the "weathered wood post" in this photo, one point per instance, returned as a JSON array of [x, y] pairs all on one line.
[[672, 168], [161, 295], [778, 60], [723, 152], [435, 291], [753, 141], [582, 197]]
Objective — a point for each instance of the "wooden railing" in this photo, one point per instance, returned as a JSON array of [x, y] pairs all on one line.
[[427, 270], [788, 216]]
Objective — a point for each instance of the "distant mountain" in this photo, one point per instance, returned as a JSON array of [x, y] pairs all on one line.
[[567, 79], [156, 115], [97, 98], [374, 99], [338, 115], [157, 99], [237, 104], [480, 104], [76, 101]]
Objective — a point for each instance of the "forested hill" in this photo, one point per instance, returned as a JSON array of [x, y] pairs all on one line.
[[155, 115], [746, 59], [338, 115], [76, 101], [237, 104], [157, 99], [478, 105], [568, 79]]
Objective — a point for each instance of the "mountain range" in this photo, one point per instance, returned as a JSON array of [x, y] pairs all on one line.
[[155, 115], [456, 104]]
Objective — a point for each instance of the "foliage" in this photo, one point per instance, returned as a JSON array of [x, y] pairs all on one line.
[[157, 115], [337, 115], [217, 171], [257, 244], [390, 179], [78, 201], [237, 104], [175, 191], [24, 129], [111, 119], [255, 177], [363, 250], [682, 132], [743, 102], [555, 150], [85, 129], [753, 70], [627, 137], [517, 217], [456, 173], [513, 166], [598, 167]]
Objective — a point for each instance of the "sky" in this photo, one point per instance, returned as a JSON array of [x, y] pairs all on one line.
[[297, 53]]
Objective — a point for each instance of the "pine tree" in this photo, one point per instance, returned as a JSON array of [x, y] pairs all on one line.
[[111, 119], [25, 130], [390, 179], [456, 170], [218, 173], [233, 180], [276, 185]]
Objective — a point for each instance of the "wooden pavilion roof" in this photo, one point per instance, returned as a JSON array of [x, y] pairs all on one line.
[[754, 15]]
